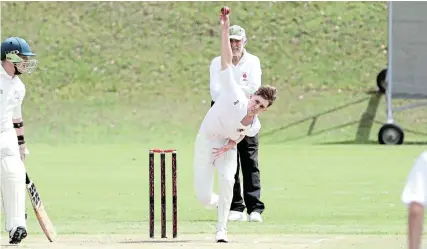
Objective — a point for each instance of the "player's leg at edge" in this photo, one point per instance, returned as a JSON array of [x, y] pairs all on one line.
[[414, 196], [415, 224]]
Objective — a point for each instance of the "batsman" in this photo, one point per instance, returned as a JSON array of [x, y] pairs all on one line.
[[16, 59], [233, 117]]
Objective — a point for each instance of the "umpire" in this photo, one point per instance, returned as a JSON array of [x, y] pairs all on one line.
[[247, 72]]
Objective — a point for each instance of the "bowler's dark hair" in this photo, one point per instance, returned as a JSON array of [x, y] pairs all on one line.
[[268, 93]]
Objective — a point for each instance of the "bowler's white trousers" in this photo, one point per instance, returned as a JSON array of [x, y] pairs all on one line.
[[204, 168], [12, 180]]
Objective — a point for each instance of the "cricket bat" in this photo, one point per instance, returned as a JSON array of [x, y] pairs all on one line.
[[39, 210]]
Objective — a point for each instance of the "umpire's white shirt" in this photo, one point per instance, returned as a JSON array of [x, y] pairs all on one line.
[[223, 120], [247, 74]]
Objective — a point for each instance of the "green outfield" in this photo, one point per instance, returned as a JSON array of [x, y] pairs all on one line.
[[116, 79], [335, 190]]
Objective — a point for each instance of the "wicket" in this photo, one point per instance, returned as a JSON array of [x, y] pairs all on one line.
[[162, 153]]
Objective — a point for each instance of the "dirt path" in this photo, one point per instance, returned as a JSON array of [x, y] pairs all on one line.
[[206, 241]]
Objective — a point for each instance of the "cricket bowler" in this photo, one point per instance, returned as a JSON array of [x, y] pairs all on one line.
[[233, 117], [16, 59], [247, 71]]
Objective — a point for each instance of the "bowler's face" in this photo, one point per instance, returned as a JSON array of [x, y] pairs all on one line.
[[257, 104]]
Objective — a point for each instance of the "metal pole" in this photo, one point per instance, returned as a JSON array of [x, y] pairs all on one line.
[[390, 63]]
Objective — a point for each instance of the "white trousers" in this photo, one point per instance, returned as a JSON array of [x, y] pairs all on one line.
[[13, 187], [204, 169], [415, 189]]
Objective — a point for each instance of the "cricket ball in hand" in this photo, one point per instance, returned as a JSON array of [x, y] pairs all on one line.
[[225, 10]]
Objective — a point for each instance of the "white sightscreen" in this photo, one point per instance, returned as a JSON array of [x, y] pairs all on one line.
[[408, 50]]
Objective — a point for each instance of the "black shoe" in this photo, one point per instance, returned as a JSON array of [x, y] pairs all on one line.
[[17, 235]]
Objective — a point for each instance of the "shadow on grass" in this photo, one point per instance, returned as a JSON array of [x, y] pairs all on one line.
[[370, 142], [354, 142], [365, 124], [313, 120]]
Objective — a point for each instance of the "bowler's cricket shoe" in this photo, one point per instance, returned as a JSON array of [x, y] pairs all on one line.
[[221, 236], [17, 235]]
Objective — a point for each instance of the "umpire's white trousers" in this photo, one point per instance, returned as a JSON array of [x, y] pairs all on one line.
[[12, 181], [204, 166], [415, 189]]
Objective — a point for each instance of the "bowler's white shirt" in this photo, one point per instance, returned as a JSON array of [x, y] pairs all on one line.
[[223, 120], [247, 74], [12, 93]]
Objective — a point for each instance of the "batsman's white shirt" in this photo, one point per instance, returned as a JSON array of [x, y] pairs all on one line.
[[223, 120], [415, 189], [12, 94]]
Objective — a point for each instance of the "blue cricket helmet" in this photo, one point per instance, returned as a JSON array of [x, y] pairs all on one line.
[[12, 50], [15, 45]]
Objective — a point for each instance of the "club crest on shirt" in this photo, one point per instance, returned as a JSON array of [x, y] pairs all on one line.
[[245, 77], [236, 102], [17, 95]]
